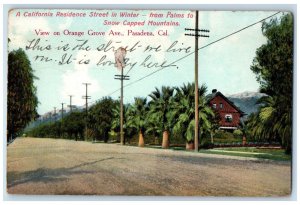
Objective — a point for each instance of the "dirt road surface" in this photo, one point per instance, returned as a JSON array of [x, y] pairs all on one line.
[[50, 166]]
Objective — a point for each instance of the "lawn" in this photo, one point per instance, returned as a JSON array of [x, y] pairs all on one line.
[[253, 152], [273, 154]]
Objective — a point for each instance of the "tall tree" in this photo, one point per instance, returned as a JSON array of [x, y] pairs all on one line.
[[21, 93], [74, 125], [161, 111], [273, 66], [101, 117], [137, 117], [185, 113], [127, 110]]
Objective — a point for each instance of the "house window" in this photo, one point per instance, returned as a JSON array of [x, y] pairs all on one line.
[[228, 118], [214, 105], [221, 105]]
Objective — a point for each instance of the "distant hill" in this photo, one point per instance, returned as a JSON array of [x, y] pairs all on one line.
[[246, 101]]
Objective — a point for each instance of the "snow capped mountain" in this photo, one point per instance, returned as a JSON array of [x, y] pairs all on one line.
[[247, 94], [246, 101]]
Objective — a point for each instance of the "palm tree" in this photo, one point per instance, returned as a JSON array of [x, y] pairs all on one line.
[[116, 117], [261, 123], [272, 122], [137, 117], [185, 112], [161, 111]]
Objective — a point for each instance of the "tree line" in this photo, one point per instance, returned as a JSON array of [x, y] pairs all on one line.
[[169, 112]]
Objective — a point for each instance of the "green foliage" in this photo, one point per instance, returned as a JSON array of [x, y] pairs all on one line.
[[206, 145], [170, 109], [238, 133], [101, 116], [222, 136], [137, 114], [128, 128], [74, 125], [273, 66], [71, 127], [48, 130], [184, 107], [160, 114], [21, 93], [272, 154]]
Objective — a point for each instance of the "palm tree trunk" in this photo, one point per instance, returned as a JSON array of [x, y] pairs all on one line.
[[244, 140], [211, 137], [141, 139], [165, 142], [190, 146]]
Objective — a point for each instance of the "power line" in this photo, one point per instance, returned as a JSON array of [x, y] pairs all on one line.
[[220, 39], [129, 70], [228, 36], [209, 44]]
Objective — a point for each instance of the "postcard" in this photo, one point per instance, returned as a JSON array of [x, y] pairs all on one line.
[[149, 102]]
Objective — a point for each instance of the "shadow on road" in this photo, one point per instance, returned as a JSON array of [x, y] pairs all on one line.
[[46, 175]]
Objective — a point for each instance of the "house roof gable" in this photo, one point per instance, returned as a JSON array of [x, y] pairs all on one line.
[[218, 93]]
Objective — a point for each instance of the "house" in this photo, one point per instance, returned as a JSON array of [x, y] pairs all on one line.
[[229, 114]]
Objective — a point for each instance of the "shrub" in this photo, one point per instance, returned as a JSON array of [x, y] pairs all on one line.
[[237, 133]]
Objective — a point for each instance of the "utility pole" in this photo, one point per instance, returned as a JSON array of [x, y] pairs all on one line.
[[196, 140], [62, 111], [54, 114], [70, 102], [120, 64], [197, 35], [121, 77], [86, 97]]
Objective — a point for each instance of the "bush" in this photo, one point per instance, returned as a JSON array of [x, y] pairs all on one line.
[[237, 133], [177, 139], [207, 145], [222, 136]]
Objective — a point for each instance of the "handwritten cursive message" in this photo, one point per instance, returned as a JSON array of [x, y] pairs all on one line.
[[72, 45]]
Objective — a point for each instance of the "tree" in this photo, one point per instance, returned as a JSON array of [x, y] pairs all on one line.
[[101, 117], [137, 117], [129, 131], [74, 125], [21, 97], [273, 66], [161, 111], [185, 113]]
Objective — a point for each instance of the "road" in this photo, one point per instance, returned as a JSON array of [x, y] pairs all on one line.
[[64, 167]]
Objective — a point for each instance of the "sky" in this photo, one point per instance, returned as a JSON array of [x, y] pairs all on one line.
[[224, 65]]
